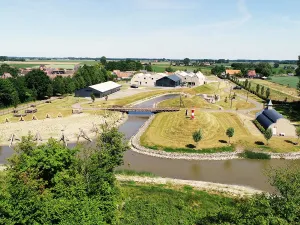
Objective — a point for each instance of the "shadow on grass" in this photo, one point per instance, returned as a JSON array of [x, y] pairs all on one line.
[[259, 143], [223, 141], [190, 146], [290, 142]]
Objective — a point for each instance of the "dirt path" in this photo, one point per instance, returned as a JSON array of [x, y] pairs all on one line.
[[232, 190]]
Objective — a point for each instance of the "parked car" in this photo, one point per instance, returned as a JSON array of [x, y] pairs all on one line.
[[133, 86], [237, 88]]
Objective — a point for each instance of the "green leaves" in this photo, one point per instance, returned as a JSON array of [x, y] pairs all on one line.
[[52, 184], [197, 136]]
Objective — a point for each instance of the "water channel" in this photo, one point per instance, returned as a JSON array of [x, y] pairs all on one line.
[[244, 172]]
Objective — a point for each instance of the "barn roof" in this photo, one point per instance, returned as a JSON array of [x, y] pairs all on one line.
[[106, 86], [268, 117], [174, 78]]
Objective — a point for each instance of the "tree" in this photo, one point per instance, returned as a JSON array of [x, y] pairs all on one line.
[[49, 92], [197, 136], [149, 68], [268, 93], [230, 133], [298, 134], [103, 60], [52, 184], [298, 68], [276, 65], [38, 80], [282, 207], [8, 93], [264, 69], [93, 97], [169, 69], [262, 90], [268, 135], [298, 86], [59, 85], [257, 88], [186, 61]]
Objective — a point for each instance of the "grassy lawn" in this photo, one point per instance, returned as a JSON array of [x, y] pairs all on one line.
[[167, 204], [63, 106], [286, 81], [174, 130], [278, 92]]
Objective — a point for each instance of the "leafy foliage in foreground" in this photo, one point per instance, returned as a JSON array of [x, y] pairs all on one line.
[[51, 184], [255, 155], [280, 208], [154, 204]]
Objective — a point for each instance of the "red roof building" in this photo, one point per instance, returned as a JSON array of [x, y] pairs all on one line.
[[251, 73]]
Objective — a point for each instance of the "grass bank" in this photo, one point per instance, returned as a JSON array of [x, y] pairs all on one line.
[[173, 131], [165, 204]]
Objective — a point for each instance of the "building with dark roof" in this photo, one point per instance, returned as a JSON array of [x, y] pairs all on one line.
[[100, 90], [269, 118], [169, 81]]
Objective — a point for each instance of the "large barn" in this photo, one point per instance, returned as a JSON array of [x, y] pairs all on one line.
[[270, 118], [146, 79], [169, 81], [99, 90]]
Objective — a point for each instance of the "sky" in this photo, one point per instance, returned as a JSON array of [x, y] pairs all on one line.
[[197, 29]]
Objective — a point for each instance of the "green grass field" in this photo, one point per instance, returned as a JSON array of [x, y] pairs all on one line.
[[286, 81], [174, 130]]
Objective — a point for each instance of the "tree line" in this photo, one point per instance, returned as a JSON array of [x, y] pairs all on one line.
[[123, 65], [36, 85]]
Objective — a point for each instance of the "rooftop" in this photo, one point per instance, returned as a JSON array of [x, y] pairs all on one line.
[[106, 86]]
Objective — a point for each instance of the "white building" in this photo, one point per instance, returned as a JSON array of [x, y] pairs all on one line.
[[190, 78], [146, 79]]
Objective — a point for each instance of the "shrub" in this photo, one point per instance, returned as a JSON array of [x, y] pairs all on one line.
[[259, 126], [255, 155]]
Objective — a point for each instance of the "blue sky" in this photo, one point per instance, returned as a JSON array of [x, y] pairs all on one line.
[[234, 29]]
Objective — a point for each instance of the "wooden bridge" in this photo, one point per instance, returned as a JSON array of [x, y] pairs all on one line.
[[135, 109]]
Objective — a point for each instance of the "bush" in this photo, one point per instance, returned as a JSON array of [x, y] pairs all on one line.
[[254, 155], [259, 126]]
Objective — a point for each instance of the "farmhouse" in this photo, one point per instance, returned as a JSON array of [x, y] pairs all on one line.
[[169, 81], [99, 90], [251, 74], [146, 79], [232, 72], [192, 79], [123, 75], [270, 118]]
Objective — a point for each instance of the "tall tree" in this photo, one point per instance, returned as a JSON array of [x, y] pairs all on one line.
[[230, 133], [257, 88], [186, 61], [268, 92], [262, 90], [276, 65], [8, 93], [49, 90], [298, 68], [38, 80], [268, 135], [149, 68], [103, 60]]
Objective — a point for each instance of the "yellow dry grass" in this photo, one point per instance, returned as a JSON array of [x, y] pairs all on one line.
[[175, 130], [62, 106]]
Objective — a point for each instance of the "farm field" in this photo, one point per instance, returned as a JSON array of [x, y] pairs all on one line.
[[174, 130], [65, 64], [160, 67], [290, 81], [278, 92]]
